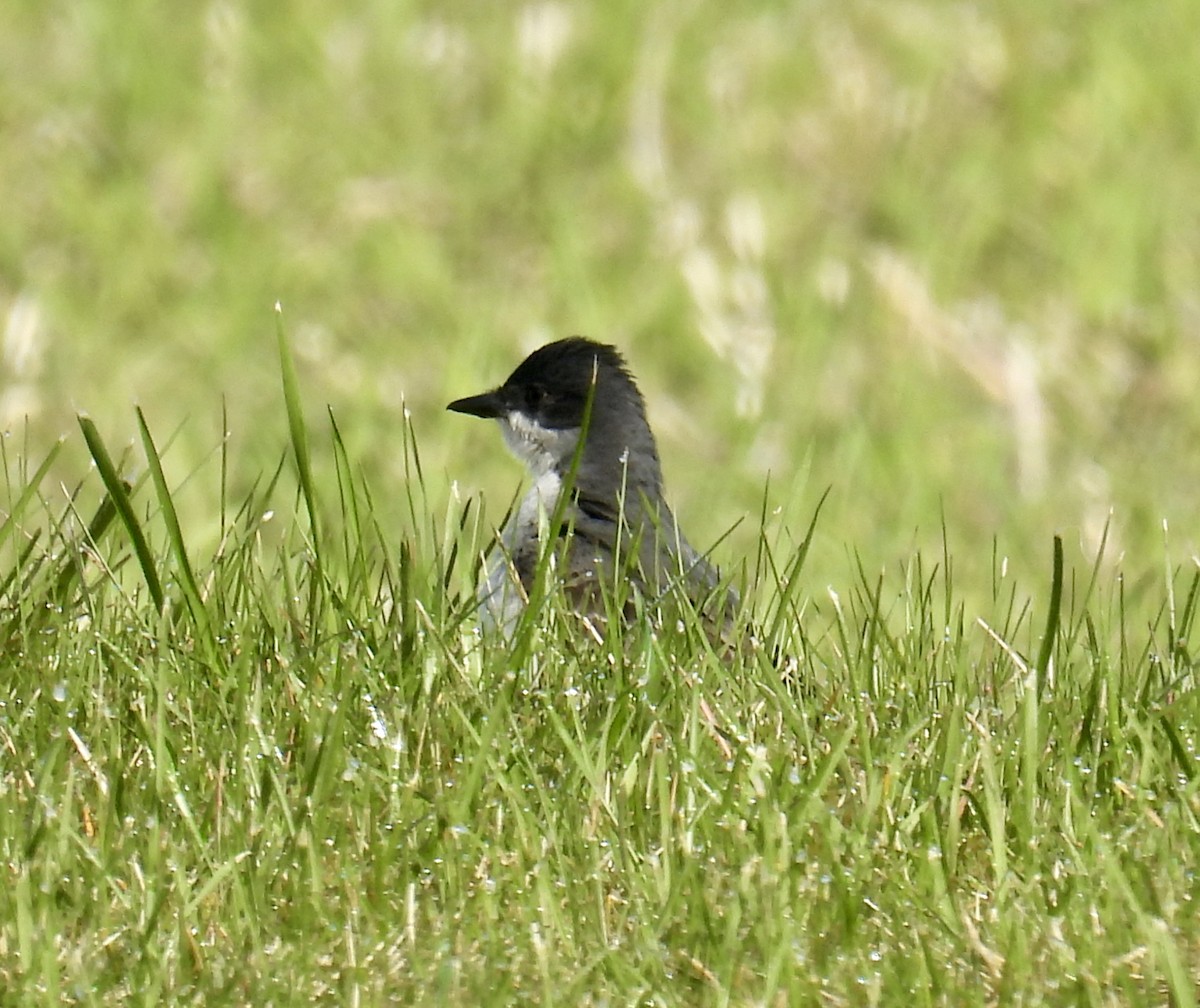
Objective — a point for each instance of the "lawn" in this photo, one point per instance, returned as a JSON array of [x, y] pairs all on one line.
[[911, 292]]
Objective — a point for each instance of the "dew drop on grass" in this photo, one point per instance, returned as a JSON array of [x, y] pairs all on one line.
[[59, 692]]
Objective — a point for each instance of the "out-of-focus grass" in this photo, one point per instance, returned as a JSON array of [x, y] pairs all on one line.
[[938, 257]]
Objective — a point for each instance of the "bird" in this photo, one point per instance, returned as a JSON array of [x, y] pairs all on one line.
[[573, 414]]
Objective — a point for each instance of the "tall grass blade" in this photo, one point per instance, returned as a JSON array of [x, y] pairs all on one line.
[[791, 577], [1053, 612], [1082, 603], [30, 489], [296, 428], [73, 569], [118, 492], [187, 579]]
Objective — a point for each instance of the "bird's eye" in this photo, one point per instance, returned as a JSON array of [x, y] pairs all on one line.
[[535, 396]]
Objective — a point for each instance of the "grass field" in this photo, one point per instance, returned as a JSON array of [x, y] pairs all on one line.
[[931, 264]]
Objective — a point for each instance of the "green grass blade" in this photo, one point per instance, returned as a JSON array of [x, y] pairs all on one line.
[[1053, 612], [27, 494], [73, 569], [296, 427], [187, 579], [21, 560], [791, 577], [118, 492]]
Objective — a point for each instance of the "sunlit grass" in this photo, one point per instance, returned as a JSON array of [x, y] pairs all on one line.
[[294, 770]]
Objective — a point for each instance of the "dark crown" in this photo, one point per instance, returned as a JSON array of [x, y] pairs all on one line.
[[569, 365], [555, 382]]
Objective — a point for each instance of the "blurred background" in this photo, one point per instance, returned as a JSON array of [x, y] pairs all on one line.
[[939, 257]]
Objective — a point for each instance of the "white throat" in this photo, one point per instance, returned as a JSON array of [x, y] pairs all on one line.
[[542, 449]]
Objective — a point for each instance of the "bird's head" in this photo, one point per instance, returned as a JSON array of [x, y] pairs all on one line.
[[544, 406]]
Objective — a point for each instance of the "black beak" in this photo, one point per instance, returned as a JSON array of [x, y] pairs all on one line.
[[487, 405]]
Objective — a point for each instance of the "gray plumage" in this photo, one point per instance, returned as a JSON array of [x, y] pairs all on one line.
[[620, 524]]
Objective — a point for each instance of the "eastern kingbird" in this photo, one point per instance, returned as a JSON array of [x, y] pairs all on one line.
[[573, 414]]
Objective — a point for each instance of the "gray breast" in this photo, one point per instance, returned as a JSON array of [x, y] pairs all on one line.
[[646, 551]]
